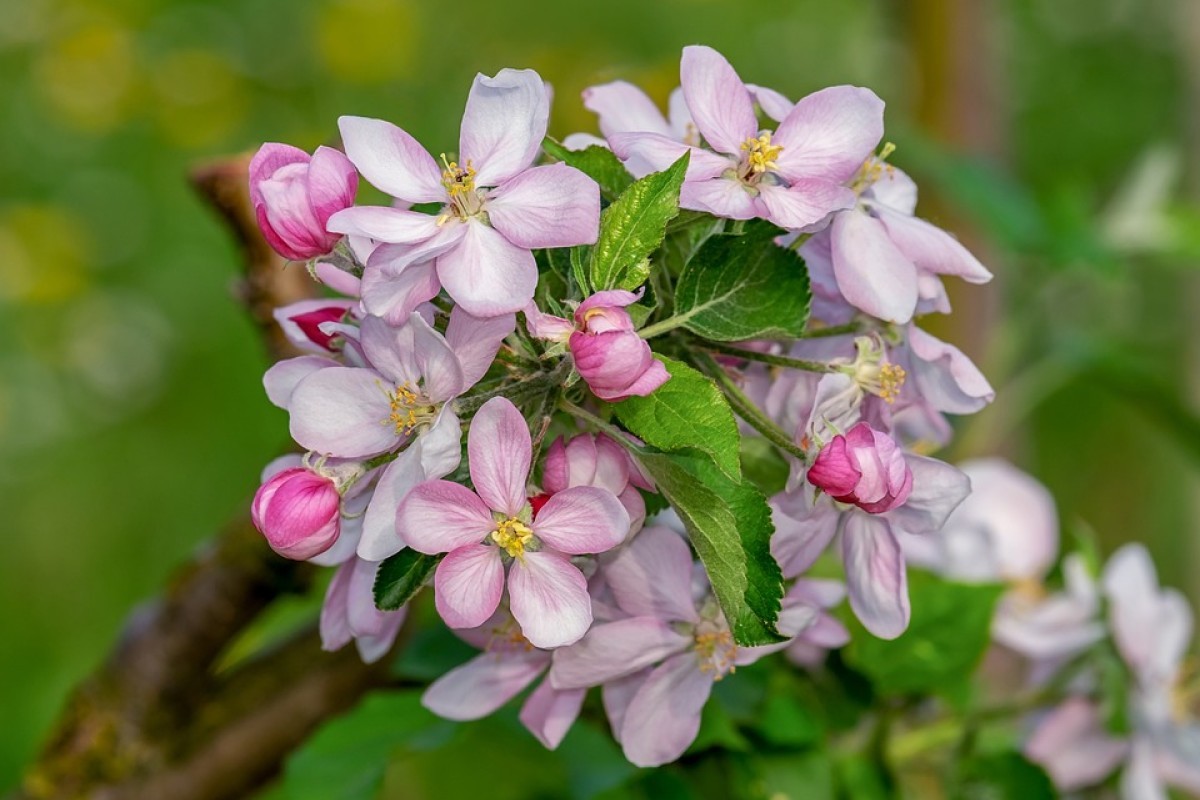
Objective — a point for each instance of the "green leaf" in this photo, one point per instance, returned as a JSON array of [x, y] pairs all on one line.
[[729, 524], [598, 163], [744, 287], [807, 775], [633, 227], [346, 759], [401, 576], [950, 629], [686, 411], [1005, 776]]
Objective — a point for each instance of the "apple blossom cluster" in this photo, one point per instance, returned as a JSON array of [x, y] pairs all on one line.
[[536, 345]]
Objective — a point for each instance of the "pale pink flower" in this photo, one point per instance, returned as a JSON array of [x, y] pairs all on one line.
[[792, 176], [826, 632], [658, 664], [349, 613], [294, 194], [484, 530], [880, 258], [610, 356], [596, 460], [497, 207], [507, 666]]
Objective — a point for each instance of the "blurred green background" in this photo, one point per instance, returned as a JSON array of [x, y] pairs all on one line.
[[1059, 139]]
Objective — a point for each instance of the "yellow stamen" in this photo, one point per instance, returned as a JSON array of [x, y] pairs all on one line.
[[513, 536], [457, 180], [760, 153], [891, 378], [507, 638], [873, 169], [716, 652], [407, 410]]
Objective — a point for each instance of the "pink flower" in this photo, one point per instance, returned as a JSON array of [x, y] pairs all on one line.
[[508, 664], [825, 632], [294, 194], [484, 530], [792, 176], [881, 259], [298, 511], [611, 358], [864, 468], [658, 665], [496, 206], [596, 460], [349, 613]]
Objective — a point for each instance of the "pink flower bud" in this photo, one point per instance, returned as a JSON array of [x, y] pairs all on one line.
[[864, 468], [294, 195], [614, 361], [298, 511]]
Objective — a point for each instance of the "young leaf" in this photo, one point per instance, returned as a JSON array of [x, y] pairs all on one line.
[[401, 576], [744, 287], [686, 411], [950, 629], [729, 524], [598, 163], [634, 226]]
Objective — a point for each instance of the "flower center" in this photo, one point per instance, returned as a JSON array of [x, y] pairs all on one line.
[[715, 650], [513, 536], [507, 638], [873, 169], [872, 373], [408, 410], [465, 200], [760, 156]]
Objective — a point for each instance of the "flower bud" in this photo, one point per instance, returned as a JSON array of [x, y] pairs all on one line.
[[297, 510], [294, 195], [864, 468], [614, 361]]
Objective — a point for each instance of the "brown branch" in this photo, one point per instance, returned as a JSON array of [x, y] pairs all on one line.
[[157, 719]]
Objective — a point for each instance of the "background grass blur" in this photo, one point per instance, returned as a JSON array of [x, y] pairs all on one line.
[[1057, 138]]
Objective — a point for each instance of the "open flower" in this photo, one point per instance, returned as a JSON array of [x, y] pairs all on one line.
[[485, 531], [496, 206], [294, 194], [792, 176]]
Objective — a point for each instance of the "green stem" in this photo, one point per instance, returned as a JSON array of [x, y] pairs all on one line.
[[747, 410], [833, 330], [519, 390], [661, 327], [767, 358], [583, 414]]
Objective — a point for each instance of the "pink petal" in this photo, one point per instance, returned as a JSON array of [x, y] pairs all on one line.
[[652, 576], [945, 376], [773, 104], [622, 107], [872, 274], [283, 377], [392, 160], [875, 575], [476, 340], [269, 159], [616, 696], [468, 584], [549, 713], [439, 516], [384, 224], [504, 124], [1070, 743], [644, 153], [486, 274], [609, 298], [654, 376], [549, 598], [483, 684], [615, 649], [720, 103], [441, 373], [375, 646], [380, 538], [721, 197], [335, 625], [804, 203], [663, 718], [499, 450], [799, 541], [1152, 627], [393, 289], [937, 489], [547, 326], [931, 248], [548, 206], [389, 350], [337, 279], [332, 183], [829, 134], [583, 519], [343, 411]]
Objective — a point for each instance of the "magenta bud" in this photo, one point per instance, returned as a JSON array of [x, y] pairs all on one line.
[[865, 468], [294, 195], [298, 511]]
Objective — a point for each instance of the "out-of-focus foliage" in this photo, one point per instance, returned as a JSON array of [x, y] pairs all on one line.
[[132, 422]]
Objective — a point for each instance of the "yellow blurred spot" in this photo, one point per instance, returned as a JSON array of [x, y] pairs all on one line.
[[88, 75], [367, 41], [43, 252], [200, 99]]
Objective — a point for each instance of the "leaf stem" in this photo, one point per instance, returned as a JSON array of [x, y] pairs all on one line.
[[833, 330], [746, 408], [663, 326], [767, 358], [613, 432]]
